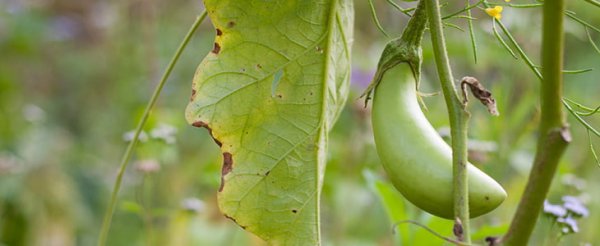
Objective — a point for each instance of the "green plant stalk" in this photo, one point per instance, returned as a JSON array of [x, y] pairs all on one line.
[[554, 133], [458, 120], [127, 155]]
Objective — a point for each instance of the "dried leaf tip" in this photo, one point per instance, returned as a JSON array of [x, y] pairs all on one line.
[[478, 92]]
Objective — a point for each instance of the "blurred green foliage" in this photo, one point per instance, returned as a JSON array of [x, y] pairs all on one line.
[[75, 76]]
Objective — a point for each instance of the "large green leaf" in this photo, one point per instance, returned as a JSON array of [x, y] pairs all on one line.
[[269, 92]]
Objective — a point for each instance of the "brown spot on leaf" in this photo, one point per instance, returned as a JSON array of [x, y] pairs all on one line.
[[294, 211], [229, 217], [230, 24], [216, 48], [193, 95], [227, 167], [235, 221], [487, 198], [258, 66], [219, 32], [203, 124], [267, 173]]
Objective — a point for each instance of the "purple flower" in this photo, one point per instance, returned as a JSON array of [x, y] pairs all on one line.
[[575, 205], [570, 225], [554, 210]]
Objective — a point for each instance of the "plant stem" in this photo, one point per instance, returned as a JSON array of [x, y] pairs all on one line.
[[472, 33], [516, 45], [127, 155], [554, 133], [595, 3], [458, 122]]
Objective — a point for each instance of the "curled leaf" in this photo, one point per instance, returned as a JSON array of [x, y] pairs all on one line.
[[480, 93]]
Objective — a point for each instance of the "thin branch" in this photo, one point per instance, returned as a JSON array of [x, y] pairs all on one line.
[[127, 155], [578, 71], [525, 5], [462, 10], [579, 105], [472, 33], [587, 31], [590, 111], [375, 19], [517, 46], [592, 148], [453, 26], [581, 120], [588, 127], [582, 22], [504, 44], [402, 10], [593, 2], [450, 240]]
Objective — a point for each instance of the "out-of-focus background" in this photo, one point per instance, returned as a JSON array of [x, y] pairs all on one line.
[[75, 77]]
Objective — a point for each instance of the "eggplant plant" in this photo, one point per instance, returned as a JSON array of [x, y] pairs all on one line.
[[274, 84]]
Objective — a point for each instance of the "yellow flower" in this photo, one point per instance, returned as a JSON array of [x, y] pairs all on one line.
[[507, 1], [495, 12]]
